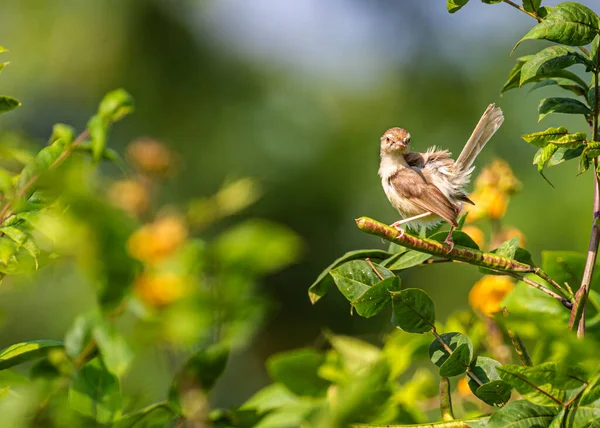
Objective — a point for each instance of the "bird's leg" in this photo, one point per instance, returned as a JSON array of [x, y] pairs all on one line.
[[449, 240], [396, 225]]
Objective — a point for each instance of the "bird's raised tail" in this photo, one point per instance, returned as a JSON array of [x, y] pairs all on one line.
[[488, 124]]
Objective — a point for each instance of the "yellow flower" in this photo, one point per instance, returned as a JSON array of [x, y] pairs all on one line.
[[463, 387], [489, 203], [160, 289], [129, 195], [155, 241], [498, 175], [150, 156], [476, 235], [488, 292]]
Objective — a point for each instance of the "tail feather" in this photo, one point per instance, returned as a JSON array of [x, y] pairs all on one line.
[[488, 124]]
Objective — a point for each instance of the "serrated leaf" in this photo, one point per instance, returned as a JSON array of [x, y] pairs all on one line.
[[551, 59], [568, 23], [514, 77], [591, 151], [494, 390], [561, 105], [536, 388], [320, 287], [458, 361], [543, 138], [376, 298], [26, 351], [561, 82], [413, 310], [354, 278], [96, 393], [455, 5], [523, 414], [542, 156], [8, 104]]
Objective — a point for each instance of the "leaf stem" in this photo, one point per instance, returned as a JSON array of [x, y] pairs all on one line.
[[374, 268], [516, 6], [578, 314], [518, 344]]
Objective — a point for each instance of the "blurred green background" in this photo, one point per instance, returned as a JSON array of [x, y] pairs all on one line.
[[296, 95]]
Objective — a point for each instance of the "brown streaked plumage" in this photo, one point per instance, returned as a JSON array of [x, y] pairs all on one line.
[[427, 188]]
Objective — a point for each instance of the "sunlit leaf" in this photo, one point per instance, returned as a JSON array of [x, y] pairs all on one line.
[[551, 59], [532, 5], [8, 104], [568, 23], [376, 298], [320, 287], [535, 385], [407, 260], [523, 414], [494, 390], [26, 351], [455, 5], [354, 278]]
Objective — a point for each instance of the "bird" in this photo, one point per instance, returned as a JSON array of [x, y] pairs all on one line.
[[428, 188]]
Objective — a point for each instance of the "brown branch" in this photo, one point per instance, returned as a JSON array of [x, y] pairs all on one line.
[[462, 254]]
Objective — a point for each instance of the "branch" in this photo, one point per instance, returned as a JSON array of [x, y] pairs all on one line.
[[462, 254], [578, 311], [446, 400]]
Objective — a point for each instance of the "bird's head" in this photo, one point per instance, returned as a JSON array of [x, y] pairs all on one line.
[[395, 141]]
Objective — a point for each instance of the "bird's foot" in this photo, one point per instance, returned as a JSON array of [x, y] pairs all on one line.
[[449, 242], [396, 226]]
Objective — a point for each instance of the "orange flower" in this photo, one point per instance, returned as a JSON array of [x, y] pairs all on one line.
[[476, 235], [463, 387], [488, 292], [129, 195], [160, 289], [489, 203], [150, 156], [155, 241], [498, 175]]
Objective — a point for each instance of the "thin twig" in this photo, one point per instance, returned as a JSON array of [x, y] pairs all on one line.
[[590, 262], [516, 6], [565, 302], [374, 268], [446, 400]]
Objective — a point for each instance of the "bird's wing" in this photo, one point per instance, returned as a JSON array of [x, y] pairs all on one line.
[[416, 186], [415, 159]]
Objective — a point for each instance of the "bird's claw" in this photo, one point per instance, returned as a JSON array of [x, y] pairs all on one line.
[[450, 243], [399, 229]]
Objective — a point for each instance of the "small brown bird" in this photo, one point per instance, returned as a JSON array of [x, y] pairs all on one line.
[[427, 188]]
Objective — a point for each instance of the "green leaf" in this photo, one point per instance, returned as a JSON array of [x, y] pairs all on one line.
[[522, 414], [63, 132], [8, 104], [297, 371], [269, 398], [562, 82], [591, 151], [543, 138], [413, 310], [451, 364], [156, 415], [542, 156], [534, 384], [564, 154], [80, 333], [320, 287], [458, 237], [591, 96], [376, 298], [115, 105], [202, 370], [568, 23], [511, 250], [116, 352], [95, 392], [42, 162], [561, 105], [355, 353], [594, 50], [26, 351], [98, 129], [531, 5], [408, 259], [551, 59], [354, 278], [455, 5], [494, 390], [514, 77]]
